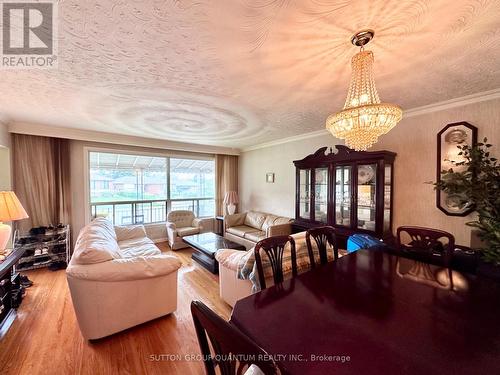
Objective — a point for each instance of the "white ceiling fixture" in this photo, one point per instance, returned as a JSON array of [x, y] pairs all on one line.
[[364, 117]]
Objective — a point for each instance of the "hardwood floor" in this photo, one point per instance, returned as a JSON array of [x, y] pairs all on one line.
[[45, 338]]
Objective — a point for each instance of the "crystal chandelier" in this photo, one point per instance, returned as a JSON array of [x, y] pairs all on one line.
[[364, 118]]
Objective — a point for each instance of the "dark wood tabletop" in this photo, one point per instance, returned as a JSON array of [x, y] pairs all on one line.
[[388, 315], [210, 242]]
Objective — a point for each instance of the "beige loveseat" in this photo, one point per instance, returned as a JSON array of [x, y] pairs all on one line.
[[250, 227], [118, 279]]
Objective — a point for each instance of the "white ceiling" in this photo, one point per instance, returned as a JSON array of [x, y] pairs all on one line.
[[237, 73]]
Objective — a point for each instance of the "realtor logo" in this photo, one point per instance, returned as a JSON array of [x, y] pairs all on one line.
[[28, 35]]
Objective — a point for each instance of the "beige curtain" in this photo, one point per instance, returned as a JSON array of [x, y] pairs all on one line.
[[226, 179], [42, 179]]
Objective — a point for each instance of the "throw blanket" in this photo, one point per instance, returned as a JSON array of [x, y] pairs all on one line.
[[246, 268]]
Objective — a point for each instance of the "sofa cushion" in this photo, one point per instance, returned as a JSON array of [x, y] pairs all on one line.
[[140, 251], [134, 242], [269, 222], [255, 236], [96, 243], [241, 230], [282, 220], [137, 247], [128, 232], [187, 231], [275, 220], [254, 219]]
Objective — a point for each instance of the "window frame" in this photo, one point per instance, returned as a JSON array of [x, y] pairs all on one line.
[[168, 155]]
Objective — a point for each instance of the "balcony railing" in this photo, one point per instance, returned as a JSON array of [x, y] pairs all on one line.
[[150, 211]]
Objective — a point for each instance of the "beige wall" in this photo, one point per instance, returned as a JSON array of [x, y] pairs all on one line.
[[414, 140], [78, 182], [5, 169], [4, 136]]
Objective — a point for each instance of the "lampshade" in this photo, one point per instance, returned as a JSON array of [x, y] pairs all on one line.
[[231, 197], [364, 118], [10, 207]]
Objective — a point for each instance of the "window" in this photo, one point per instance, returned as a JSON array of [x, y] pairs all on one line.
[[192, 179], [140, 189]]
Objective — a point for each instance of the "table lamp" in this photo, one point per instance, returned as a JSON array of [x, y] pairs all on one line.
[[231, 199], [10, 210]]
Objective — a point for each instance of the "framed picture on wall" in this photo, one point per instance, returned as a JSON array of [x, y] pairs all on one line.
[[448, 154], [270, 178]]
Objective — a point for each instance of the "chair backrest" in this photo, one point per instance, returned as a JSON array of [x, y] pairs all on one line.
[[324, 237], [427, 242], [274, 247], [233, 350], [181, 218]]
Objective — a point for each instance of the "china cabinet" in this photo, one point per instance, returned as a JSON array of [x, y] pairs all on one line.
[[349, 190]]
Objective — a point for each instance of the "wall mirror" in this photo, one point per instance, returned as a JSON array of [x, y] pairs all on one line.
[[451, 136]]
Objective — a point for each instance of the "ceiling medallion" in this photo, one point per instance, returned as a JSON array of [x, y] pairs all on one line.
[[364, 118]]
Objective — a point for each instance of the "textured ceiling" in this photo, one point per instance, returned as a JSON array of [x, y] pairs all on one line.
[[240, 72]]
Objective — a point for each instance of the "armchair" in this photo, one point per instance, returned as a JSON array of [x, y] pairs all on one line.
[[180, 224]]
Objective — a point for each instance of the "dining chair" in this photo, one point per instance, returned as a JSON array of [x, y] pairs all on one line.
[[426, 243], [323, 236], [234, 352], [274, 247]]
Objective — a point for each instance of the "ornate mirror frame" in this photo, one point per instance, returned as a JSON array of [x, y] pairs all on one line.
[[452, 135]]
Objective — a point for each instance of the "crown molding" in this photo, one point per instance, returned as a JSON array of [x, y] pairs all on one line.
[[417, 111], [293, 138], [452, 103], [120, 139]]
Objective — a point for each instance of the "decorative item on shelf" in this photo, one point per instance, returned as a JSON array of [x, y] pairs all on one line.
[[270, 178], [10, 210], [365, 174], [364, 118], [231, 200], [449, 155]]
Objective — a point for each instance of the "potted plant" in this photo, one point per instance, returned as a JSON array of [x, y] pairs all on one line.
[[476, 178]]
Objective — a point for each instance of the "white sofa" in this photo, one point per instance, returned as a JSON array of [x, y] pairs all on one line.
[[118, 279], [179, 224], [248, 228]]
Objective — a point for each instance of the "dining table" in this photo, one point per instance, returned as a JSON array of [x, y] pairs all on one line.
[[371, 312]]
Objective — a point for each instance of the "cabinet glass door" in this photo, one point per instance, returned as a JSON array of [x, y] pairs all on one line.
[[366, 199], [343, 195], [305, 194], [321, 195], [387, 198]]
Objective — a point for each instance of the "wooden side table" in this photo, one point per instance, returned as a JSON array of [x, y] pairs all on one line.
[[219, 223]]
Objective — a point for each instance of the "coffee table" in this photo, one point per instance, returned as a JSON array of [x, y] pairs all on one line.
[[206, 245]]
